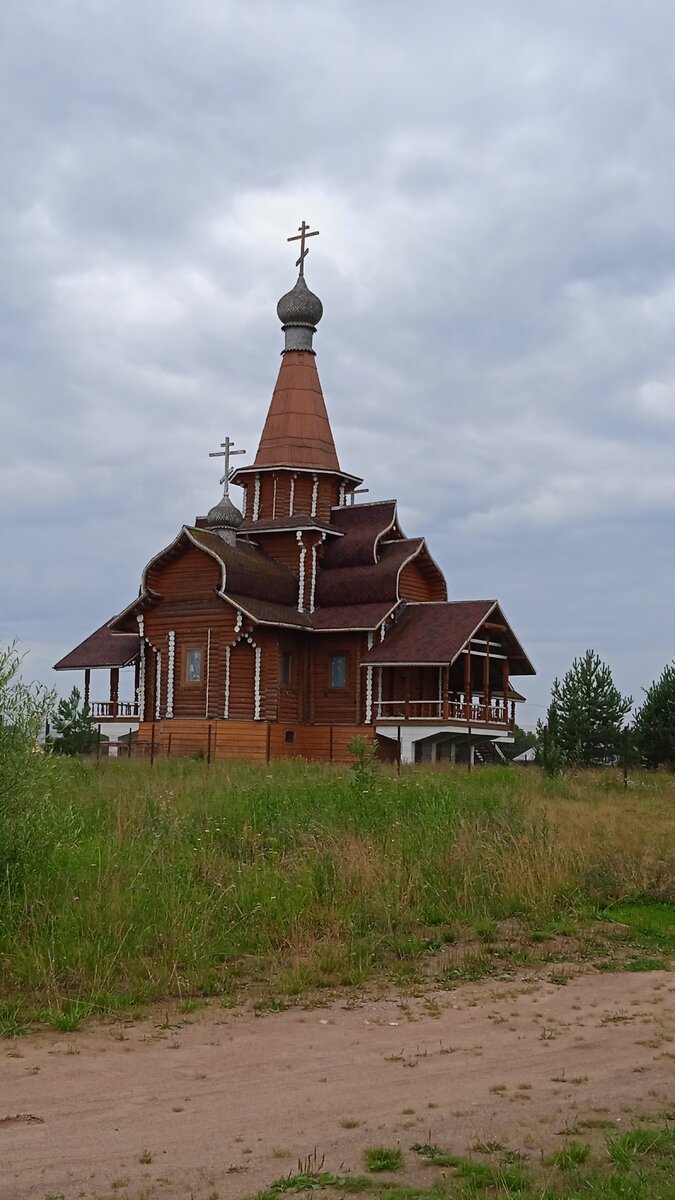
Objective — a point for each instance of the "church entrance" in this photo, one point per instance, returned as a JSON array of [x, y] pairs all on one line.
[[242, 682]]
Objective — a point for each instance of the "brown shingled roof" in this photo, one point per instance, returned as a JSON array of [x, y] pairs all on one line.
[[362, 525], [297, 431], [271, 614], [249, 571], [101, 649], [351, 616], [284, 524], [366, 584], [434, 634]]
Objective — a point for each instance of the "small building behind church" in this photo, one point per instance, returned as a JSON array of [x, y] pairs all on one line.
[[302, 618]]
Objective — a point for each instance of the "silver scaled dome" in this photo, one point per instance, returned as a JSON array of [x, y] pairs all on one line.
[[299, 312], [224, 516]]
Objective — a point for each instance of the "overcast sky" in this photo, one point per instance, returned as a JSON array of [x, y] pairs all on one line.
[[493, 183]]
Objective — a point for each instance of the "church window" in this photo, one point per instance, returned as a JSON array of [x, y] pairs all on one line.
[[193, 665], [286, 668], [338, 671]]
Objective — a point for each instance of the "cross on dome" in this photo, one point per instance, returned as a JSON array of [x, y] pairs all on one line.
[[301, 236], [227, 453]]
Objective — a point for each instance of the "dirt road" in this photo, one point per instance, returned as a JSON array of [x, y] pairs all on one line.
[[228, 1101]]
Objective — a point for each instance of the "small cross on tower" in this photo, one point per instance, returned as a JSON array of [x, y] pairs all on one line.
[[226, 452], [301, 237]]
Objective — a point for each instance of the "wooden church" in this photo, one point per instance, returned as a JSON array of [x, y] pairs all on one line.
[[304, 618]]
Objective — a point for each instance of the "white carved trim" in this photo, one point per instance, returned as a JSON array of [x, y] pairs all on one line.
[[341, 500], [208, 673], [315, 494], [226, 709], [290, 510], [244, 488], [158, 684], [170, 673], [237, 624], [141, 673], [312, 589], [382, 632], [369, 686], [258, 657], [256, 498], [301, 571], [274, 496], [379, 693]]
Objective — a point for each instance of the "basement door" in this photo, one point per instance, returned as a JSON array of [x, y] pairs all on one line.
[[242, 682]]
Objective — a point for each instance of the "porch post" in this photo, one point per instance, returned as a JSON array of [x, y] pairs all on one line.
[[87, 682], [467, 682], [486, 677], [505, 679], [445, 672], [114, 690]]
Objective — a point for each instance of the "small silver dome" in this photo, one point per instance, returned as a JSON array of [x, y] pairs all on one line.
[[300, 306], [224, 515]]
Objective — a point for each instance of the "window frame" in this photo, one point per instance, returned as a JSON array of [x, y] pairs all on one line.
[[338, 687], [187, 651], [286, 659]]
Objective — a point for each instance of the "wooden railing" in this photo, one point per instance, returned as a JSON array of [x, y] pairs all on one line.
[[109, 710], [466, 712]]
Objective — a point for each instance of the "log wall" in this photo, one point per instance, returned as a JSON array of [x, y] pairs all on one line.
[[253, 741]]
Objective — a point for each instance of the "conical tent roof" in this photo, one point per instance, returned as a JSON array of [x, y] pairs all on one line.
[[297, 431]]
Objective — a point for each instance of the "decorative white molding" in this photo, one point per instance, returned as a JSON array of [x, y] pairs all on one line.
[[369, 686], [158, 684], [301, 571], [237, 624], [258, 657], [292, 503], [244, 488], [141, 674], [226, 709], [315, 493], [274, 496], [379, 693], [170, 673], [256, 498], [382, 632], [208, 672], [341, 500], [312, 589]]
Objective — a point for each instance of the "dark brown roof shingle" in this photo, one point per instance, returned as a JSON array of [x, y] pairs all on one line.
[[101, 649]]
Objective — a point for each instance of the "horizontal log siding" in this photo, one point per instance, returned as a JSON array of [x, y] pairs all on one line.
[[251, 740], [192, 632], [416, 583], [193, 574], [328, 705], [282, 546]]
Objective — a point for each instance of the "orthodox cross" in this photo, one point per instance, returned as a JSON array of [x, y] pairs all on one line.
[[301, 237], [226, 452]]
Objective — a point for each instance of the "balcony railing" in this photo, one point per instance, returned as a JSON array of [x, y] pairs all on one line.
[[111, 710], [455, 711]]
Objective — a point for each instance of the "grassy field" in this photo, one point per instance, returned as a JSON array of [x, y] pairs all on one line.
[[121, 884]]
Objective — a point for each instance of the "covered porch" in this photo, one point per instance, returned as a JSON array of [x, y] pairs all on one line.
[[118, 655], [441, 677]]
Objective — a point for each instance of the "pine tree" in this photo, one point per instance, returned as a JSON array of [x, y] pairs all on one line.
[[587, 713], [654, 729], [74, 728]]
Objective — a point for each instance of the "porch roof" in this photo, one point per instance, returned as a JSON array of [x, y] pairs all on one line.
[[434, 634], [103, 648]]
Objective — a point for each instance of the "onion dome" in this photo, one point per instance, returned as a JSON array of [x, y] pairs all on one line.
[[299, 312], [224, 519]]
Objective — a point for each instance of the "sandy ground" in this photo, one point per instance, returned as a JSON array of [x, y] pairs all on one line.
[[227, 1101]]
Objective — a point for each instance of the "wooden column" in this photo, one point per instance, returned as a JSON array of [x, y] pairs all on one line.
[[486, 677], [505, 679], [114, 690], [137, 682], [87, 683], [445, 673], [467, 683]]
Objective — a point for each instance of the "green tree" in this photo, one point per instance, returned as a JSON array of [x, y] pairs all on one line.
[[586, 714], [523, 739], [73, 726], [654, 728]]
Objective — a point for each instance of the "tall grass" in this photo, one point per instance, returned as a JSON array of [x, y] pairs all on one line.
[[134, 884]]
